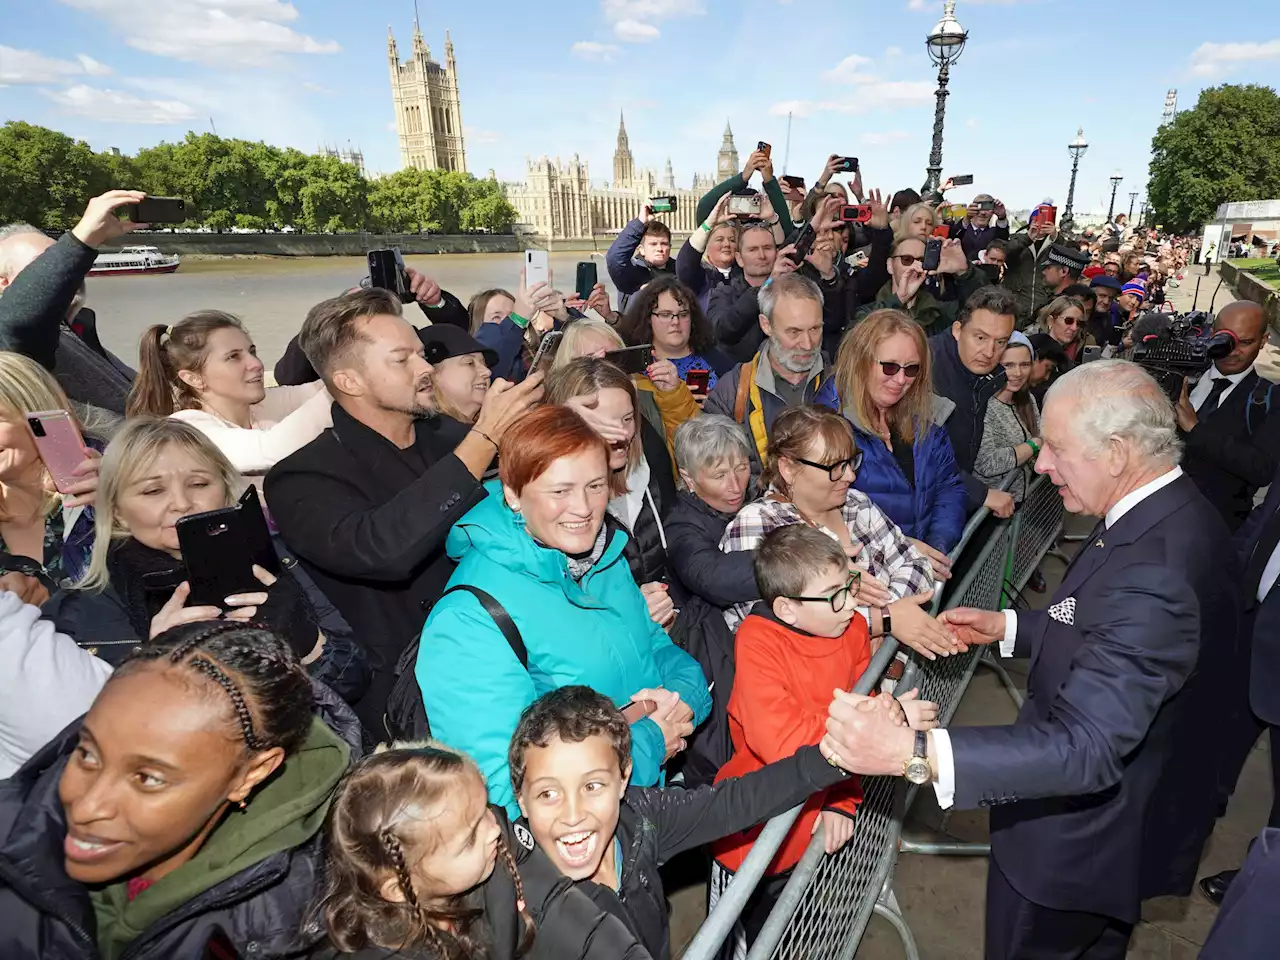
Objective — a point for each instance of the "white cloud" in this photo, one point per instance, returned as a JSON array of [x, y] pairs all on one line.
[[888, 136], [1211, 58], [634, 21], [115, 106], [893, 51], [971, 123], [880, 94], [315, 87], [29, 67], [480, 136], [635, 31], [847, 70], [593, 51], [221, 33]]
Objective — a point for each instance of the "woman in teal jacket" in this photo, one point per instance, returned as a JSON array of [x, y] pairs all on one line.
[[542, 545]]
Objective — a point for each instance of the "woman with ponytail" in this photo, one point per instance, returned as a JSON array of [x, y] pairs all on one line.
[[205, 370], [181, 818], [421, 867]]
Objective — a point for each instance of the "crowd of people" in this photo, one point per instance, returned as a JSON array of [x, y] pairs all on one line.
[[540, 617]]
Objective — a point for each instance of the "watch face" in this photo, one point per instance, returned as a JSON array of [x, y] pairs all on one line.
[[917, 770]]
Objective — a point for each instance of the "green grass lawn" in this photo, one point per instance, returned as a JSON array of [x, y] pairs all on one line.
[[1268, 271]]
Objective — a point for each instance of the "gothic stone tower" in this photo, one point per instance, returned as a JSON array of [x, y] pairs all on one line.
[[428, 110], [624, 166], [727, 159]]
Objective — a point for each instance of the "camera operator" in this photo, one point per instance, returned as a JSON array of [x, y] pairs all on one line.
[[42, 291], [1232, 438], [984, 222]]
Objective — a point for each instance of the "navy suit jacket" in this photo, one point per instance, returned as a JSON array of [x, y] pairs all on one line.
[[1071, 781], [1248, 924], [1263, 625]]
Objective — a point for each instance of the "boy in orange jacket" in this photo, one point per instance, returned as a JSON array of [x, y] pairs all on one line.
[[802, 641]]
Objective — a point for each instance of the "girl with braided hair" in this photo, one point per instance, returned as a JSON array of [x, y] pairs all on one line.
[[421, 867], [181, 817]]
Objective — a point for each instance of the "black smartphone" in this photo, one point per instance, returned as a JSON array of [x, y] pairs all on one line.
[[962, 180], [157, 210], [932, 254], [387, 272], [848, 165], [587, 278], [855, 213], [985, 205], [546, 348], [220, 547], [793, 181], [632, 360], [803, 243], [698, 381], [663, 205]]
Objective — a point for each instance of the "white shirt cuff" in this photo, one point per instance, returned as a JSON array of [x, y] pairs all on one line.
[[1010, 633], [944, 763]]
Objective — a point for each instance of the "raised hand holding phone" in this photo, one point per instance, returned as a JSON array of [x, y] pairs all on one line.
[[58, 441]]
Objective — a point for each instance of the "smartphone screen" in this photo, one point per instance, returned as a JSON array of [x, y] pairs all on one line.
[[586, 278], [158, 210], [962, 180], [535, 268]]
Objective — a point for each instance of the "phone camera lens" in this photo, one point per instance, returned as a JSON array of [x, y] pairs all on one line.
[[37, 427]]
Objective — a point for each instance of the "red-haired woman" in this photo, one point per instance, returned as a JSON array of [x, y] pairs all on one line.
[[544, 546]]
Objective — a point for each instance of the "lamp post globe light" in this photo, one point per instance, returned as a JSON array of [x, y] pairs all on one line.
[[1077, 149], [945, 43], [1115, 184]]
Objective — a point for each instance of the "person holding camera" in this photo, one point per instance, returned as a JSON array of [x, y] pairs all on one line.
[[638, 253], [759, 160], [984, 222], [906, 288]]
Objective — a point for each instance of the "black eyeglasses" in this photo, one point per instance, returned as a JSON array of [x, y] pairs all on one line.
[[668, 315], [840, 599], [892, 368], [835, 470]]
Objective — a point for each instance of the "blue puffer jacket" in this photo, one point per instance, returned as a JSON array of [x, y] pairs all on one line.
[[595, 632], [935, 509]]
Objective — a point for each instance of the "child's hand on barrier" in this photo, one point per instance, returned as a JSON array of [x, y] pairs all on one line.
[[837, 829], [921, 714]]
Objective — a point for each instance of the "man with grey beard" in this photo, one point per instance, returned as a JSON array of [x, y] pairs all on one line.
[[42, 315], [786, 371], [366, 506]]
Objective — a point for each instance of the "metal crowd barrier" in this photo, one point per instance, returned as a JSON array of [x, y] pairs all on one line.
[[827, 902]]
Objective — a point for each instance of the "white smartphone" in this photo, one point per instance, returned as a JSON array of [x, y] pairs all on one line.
[[535, 268]]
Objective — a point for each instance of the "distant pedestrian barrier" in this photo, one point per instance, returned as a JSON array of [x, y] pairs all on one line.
[[828, 900]]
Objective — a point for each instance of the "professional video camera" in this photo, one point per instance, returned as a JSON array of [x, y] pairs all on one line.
[[1176, 347]]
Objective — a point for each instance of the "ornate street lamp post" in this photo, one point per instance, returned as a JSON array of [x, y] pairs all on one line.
[[1133, 196], [945, 43], [1115, 184], [1077, 149]]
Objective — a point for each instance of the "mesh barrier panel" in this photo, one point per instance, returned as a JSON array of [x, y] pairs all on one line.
[[842, 893], [1039, 523]]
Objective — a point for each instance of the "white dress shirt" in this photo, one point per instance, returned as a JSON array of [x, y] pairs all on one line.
[[944, 760], [1200, 392]]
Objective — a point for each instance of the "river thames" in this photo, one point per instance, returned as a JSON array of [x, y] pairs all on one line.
[[272, 294]]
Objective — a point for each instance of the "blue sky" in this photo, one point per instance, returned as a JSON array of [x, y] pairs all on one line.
[[550, 78]]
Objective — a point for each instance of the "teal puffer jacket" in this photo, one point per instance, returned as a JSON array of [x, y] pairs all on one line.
[[596, 632]]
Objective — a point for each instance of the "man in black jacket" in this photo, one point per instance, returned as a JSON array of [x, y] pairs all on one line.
[[573, 737], [366, 505], [967, 371], [1232, 438], [41, 313], [732, 307], [985, 221]]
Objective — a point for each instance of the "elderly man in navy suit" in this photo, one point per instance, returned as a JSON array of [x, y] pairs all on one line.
[[1072, 782]]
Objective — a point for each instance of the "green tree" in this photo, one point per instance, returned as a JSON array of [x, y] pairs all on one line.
[[488, 209], [335, 197], [45, 177], [1225, 149]]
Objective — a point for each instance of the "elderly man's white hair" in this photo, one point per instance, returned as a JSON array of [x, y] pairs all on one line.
[[13, 230], [1117, 398]]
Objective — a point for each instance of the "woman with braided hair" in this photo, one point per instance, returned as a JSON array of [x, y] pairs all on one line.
[[181, 816], [421, 867]]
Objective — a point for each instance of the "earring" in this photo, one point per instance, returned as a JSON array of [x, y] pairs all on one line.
[[244, 803]]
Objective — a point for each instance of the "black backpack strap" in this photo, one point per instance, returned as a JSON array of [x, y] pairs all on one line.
[[505, 624], [1260, 397]]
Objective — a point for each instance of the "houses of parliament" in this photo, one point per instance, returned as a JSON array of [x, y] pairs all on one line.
[[556, 200]]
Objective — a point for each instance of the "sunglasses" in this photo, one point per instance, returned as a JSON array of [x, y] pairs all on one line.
[[1070, 321], [907, 259], [892, 368], [837, 469], [840, 599]]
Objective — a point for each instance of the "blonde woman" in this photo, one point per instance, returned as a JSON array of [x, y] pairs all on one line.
[[918, 222], [882, 385], [45, 536], [1063, 320], [154, 473]]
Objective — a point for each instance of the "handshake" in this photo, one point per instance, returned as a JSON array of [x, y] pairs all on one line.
[[875, 735]]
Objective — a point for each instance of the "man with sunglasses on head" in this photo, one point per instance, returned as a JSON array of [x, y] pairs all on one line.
[[967, 371], [914, 291]]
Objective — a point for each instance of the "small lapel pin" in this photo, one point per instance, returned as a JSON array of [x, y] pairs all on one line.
[[1099, 544]]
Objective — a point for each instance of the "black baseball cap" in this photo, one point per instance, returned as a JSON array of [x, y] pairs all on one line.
[[443, 340]]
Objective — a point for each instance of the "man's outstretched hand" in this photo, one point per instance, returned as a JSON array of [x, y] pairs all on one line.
[[972, 627], [100, 223], [866, 735]]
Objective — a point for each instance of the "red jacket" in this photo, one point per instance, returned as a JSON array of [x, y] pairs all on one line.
[[781, 690]]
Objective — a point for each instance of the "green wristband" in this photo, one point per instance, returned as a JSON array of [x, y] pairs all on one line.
[[707, 226], [1035, 448], [518, 320]]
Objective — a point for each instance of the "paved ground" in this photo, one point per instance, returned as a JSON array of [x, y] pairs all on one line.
[[943, 898]]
